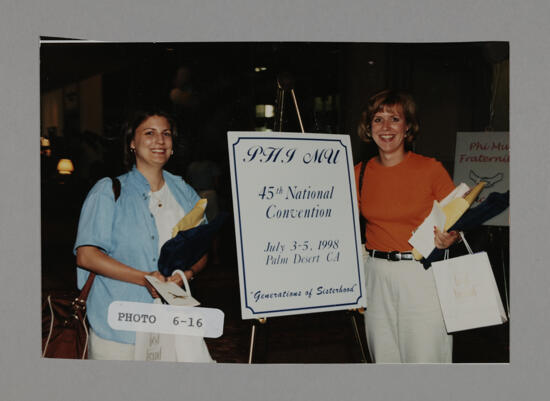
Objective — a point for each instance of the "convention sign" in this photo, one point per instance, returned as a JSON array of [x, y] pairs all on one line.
[[296, 223], [484, 156]]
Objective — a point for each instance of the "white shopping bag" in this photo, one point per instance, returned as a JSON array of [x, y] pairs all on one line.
[[155, 347], [172, 347], [467, 292], [191, 349]]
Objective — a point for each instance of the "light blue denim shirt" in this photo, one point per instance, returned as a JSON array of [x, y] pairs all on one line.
[[127, 232]]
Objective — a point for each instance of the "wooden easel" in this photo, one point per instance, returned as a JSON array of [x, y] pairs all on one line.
[[355, 328], [285, 83]]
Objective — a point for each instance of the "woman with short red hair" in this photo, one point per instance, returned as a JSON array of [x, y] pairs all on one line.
[[403, 318]]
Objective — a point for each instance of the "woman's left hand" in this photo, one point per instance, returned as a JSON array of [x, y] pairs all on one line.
[[190, 273], [176, 278], [444, 239]]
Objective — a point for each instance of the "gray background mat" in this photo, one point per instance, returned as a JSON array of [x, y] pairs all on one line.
[[26, 376]]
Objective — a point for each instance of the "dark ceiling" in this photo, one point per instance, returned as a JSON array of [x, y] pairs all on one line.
[[65, 63]]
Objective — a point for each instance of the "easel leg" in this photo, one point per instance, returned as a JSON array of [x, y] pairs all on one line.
[[261, 320], [251, 349], [358, 337]]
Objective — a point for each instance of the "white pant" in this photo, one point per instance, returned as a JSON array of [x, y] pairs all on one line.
[[404, 323], [99, 348]]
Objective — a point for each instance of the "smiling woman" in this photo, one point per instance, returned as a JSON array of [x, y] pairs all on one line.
[[403, 319], [389, 130], [155, 132], [120, 240], [152, 143]]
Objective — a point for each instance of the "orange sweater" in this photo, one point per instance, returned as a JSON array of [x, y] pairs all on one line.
[[396, 200]]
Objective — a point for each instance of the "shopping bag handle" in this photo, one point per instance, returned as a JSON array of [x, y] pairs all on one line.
[[465, 242], [446, 253], [185, 282]]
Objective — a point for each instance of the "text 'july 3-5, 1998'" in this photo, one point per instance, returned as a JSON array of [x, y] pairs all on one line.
[[302, 252]]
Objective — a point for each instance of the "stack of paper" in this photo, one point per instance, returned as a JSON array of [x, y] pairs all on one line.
[[443, 215]]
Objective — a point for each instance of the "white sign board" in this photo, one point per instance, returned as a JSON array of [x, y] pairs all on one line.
[[296, 223], [484, 156]]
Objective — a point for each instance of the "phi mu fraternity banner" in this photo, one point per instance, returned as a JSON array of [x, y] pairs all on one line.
[[484, 156], [296, 223]]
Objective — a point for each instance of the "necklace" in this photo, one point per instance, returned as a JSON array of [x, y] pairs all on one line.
[[156, 196], [157, 200]]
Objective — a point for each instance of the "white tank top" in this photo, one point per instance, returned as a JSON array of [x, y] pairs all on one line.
[[167, 212]]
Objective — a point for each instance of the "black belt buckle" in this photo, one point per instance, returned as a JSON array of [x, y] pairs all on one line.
[[394, 256]]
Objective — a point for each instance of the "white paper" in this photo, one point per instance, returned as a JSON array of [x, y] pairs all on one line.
[[423, 239], [172, 293], [458, 192], [167, 319]]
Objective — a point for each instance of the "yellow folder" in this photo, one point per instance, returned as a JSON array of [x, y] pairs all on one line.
[[455, 209]]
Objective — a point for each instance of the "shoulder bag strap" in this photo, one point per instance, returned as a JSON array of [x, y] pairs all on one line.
[[361, 175], [88, 285], [116, 187], [362, 220]]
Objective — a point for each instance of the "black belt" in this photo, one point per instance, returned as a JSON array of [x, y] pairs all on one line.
[[393, 256]]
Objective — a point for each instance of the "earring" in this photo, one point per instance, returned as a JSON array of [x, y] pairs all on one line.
[[132, 150], [171, 153]]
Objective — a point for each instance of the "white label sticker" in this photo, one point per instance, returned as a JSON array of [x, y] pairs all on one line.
[[168, 319]]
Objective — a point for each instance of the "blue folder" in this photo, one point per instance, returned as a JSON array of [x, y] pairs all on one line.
[[187, 247]]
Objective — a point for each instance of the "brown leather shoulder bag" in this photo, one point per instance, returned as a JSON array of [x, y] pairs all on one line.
[[64, 325]]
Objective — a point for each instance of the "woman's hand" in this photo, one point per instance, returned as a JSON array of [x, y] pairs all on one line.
[[191, 272], [151, 289], [176, 278], [444, 239]]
